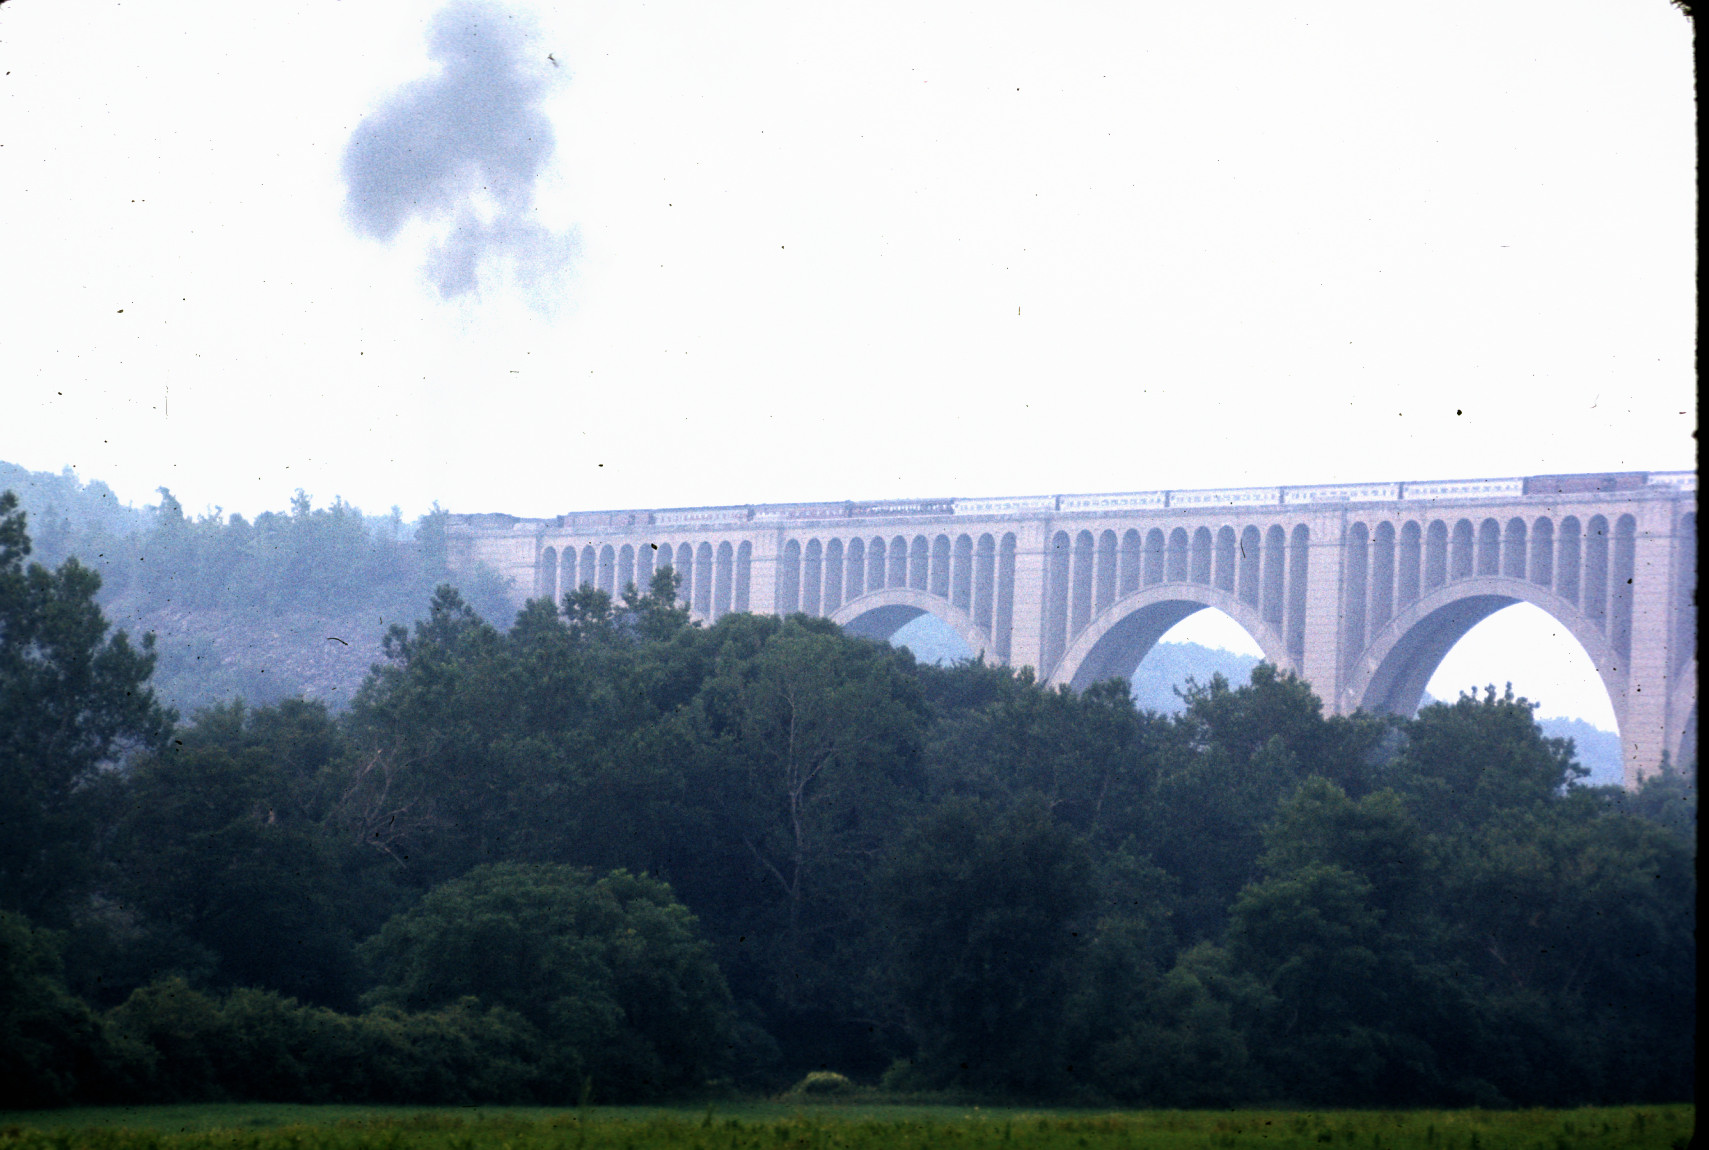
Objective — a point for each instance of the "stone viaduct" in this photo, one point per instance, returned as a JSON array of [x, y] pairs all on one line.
[[1360, 589]]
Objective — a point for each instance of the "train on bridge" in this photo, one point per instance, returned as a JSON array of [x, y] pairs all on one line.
[[1230, 497]]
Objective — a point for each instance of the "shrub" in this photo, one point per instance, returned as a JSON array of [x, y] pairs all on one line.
[[823, 1084], [171, 1042]]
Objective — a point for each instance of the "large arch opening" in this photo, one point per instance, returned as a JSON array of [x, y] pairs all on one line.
[[932, 640], [1117, 643], [1204, 644], [1524, 645], [1499, 632], [933, 628]]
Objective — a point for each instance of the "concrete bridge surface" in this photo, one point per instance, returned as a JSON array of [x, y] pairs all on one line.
[[1361, 589]]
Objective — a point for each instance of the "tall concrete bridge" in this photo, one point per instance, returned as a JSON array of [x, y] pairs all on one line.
[[1361, 589]]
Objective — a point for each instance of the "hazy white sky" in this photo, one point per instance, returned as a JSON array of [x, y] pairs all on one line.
[[765, 251]]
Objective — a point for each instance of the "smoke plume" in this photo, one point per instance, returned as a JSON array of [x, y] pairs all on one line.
[[467, 145]]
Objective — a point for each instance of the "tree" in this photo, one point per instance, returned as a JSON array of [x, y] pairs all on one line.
[[1465, 762], [611, 971], [220, 844], [74, 700], [1238, 752], [48, 1038], [1374, 838], [802, 749], [1177, 1039], [1667, 797], [656, 615], [987, 917], [1088, 755], [1243, 721], [1342, 933], [1580, 924], [1312, 937], [432, 716]]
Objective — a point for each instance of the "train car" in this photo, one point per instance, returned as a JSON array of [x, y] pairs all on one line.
[[1113, 501], [1227, 497], [1678, 480], [687, 517], [1005, 505], [486, 519], [794, 512], [1343, 493], [905, 507], [1584, 484], [1463, 489], [603, 520]]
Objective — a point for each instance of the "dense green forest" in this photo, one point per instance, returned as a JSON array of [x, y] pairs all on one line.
[[606, 854]]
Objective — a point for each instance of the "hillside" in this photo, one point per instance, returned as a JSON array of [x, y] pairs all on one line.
[[294, 603], [1597, 749], [210, 656]]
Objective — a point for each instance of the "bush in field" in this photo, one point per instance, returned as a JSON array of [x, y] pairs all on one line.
[[170, 1042], [823, 1084], [611, 971], [461, 1053]]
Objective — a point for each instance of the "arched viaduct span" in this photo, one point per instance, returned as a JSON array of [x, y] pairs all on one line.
[[1360, 589]]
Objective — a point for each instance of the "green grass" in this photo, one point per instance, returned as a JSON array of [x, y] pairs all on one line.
[[779, 1126]]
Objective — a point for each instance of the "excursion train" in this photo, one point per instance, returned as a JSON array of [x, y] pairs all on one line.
[[690, 517]]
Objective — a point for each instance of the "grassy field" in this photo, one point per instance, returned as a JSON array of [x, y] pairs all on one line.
[[777, 1126]]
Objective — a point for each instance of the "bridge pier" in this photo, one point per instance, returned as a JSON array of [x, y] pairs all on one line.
[[1320, 663], [1653, 639], [1030, 587], [763, 578]]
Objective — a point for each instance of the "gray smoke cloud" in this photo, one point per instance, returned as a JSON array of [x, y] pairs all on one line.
[[467, 144]]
